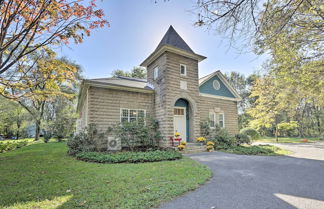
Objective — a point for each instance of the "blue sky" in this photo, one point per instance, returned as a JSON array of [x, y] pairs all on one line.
[[136, 27]]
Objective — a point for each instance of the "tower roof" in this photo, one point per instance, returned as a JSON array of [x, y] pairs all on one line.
[[172, 38], [172, 42]]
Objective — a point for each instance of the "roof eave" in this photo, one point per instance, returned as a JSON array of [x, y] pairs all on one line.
[[158, 52], [117, 87]]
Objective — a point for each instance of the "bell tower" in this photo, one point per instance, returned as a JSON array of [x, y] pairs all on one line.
[[172, 69]]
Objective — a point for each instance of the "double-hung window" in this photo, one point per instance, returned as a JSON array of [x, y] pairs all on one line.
[[130, 115], [216, 119]]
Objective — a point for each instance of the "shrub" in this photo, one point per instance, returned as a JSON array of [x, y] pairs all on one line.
[[128, 157], [47, 136], [84, 141], [205, 129], [12, 145], [242, 139], [222, 138], [254, 134], [138, 135]]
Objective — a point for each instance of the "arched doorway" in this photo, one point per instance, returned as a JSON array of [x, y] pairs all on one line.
[[181, 118]]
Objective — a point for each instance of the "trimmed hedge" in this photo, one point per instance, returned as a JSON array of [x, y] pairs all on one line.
[[128, 157]]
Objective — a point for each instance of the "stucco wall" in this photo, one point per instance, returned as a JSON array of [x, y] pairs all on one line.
[[104, 105]]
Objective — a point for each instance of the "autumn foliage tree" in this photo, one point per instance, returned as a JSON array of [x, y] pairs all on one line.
[[46, 79], [27, 25]]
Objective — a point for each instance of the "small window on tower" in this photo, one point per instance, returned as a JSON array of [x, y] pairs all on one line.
[[183, 69], [155, 73]]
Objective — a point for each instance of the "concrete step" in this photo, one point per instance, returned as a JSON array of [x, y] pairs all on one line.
[[193, 144]]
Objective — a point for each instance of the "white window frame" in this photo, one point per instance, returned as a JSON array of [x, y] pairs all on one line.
[[185, 69], [216, 119], [156, 73], [223, 119], [128, 115], [212, 118]]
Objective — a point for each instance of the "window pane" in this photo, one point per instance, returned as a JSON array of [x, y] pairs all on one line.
[[221, 120], [211, 119], [125, 113], [178, 111], [141, 114], [132, 115]]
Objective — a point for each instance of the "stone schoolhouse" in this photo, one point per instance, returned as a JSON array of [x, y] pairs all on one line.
[[173, 94]]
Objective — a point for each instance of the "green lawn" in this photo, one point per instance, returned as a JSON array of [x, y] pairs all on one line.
[[289, 139], [43, 176], [268, 150]]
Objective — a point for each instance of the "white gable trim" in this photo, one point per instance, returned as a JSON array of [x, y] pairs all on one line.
[[226, 83], [219, 97]]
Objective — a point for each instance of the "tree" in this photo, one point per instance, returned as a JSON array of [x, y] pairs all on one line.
[[136, 72], [243, 86], [13, 118], [264, 20], [42, 82], [266, 111], [26, 26]]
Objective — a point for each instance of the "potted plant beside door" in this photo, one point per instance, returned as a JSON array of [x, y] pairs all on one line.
[[201, 140]]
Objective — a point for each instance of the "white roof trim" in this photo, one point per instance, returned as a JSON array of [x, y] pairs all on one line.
[[223, 79], [219, 97]]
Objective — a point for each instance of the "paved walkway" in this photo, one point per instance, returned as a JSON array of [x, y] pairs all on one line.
[[257, 182]]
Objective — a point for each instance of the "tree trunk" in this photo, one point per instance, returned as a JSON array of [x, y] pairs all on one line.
[[276, 134], [37, 131]]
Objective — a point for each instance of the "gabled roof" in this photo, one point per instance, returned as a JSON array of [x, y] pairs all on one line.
[[172, 38], [223, 79]]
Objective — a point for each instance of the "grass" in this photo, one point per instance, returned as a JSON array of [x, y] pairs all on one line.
[[267, 150], [289, 139], [44, 176]]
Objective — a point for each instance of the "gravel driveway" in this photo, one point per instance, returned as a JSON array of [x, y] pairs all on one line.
[[258, 182]]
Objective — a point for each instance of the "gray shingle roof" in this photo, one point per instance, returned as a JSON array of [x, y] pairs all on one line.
[[172, 38], [123, 81]]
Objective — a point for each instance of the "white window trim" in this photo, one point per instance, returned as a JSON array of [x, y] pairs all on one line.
[[221, 113], [214, 116], [185, 67], [216, 119], [128, 117]]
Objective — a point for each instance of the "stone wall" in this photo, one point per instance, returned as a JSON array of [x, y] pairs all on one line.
[[229, 108], [104, 105], [167, 91]]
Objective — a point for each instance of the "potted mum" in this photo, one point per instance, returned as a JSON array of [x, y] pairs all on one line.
[[201, 140], [210, 146]]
